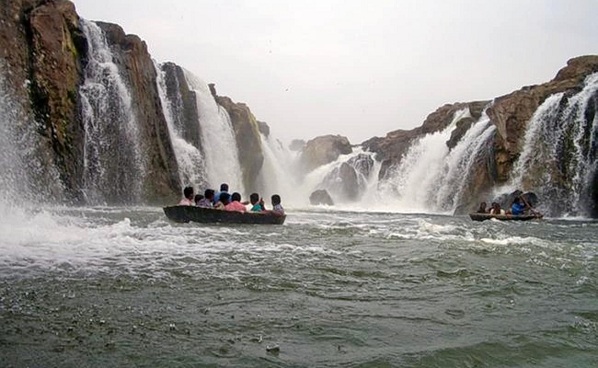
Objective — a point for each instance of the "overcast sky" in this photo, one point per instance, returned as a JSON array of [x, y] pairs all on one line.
[[358, 68]]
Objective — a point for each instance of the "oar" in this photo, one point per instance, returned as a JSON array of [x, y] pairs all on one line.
[[528, 205]]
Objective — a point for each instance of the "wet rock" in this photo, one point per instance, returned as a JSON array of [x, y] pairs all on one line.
[[321, 196], [323, 150]]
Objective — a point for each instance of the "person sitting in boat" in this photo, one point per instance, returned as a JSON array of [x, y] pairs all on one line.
[[496, 210], [197, 199], [518, 207], [188, 194], [235, 204], [223, 189], [208, 199], [257, 203], [223, 201], [277, 208], [482, 208]]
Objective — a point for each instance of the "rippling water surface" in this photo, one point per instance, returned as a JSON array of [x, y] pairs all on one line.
[[125, 287]]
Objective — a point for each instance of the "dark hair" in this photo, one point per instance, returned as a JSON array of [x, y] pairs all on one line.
[[209, 193], [254, 198], [236, 197], [188, 192], [224, 187], [198, 197], [275, 199], [225, 198]]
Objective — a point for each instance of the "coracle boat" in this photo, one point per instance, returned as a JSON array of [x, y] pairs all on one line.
[[488, 216], [184, 214]]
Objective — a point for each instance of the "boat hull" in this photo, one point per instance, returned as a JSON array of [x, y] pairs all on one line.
[[184, 214], [487, 216]]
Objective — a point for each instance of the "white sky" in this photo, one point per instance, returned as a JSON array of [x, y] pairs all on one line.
[[354, 67]]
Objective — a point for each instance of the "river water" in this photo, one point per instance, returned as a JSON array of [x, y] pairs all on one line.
[[124, 287]]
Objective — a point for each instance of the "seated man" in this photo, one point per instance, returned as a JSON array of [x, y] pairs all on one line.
[[188, 197], [257, 204], [518, 207], [277, 208], [223, 201], [496, 210], [208, 199], [235, 204]]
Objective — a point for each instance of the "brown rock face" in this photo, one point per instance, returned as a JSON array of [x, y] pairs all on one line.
[[247, 135], [392, 148], [512, 112], [161, 183], [42, 43], [183, 103], [323, 150]]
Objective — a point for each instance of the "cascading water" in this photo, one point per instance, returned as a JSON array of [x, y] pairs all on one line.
[[218, 138], [276, 176], [189, 158], [560, 155], [431, 178], [27, 174], [113, 165]]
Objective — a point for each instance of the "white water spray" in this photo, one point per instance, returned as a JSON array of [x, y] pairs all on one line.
[[218, 138]]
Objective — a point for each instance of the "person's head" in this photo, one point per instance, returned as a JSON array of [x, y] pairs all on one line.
[[275, 199], [198, 197], [483, 205], [224, 187], [209, 194], [225, 198], [496, 205], [188, 192], [236, 197], [254, 198]]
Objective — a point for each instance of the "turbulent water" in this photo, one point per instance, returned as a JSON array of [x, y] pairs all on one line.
[[124, 287]]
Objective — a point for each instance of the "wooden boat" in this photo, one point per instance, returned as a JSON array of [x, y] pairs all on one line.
[[184, 214], [488, 216]]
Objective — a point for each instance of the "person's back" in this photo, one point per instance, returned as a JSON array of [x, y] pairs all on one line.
[[235, 204], [208, 200], [496, 210], [517, 208], [223, 189], [188, 197], [224, 200]]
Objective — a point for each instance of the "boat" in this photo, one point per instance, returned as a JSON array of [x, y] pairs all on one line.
[[184, 214], [488, 216]]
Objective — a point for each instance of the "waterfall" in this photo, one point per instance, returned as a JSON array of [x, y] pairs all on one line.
[[560, 153], [432, 178], [27, 175], [113, 165], [277, 173], [218, 138], [189, 158]]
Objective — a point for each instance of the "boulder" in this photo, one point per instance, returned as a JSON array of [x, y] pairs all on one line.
[[321, 196], [297, 145], [323, 150], [363, 164], [343, 182], [264, 128]]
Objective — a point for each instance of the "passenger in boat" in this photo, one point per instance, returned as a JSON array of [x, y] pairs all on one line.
[[223, 189], [482, 208], [235, 204], [518, 207], [208, 200], [496, 210], [277, 208], [197, 199], [188, 194], [257, 203], [223, 201]]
